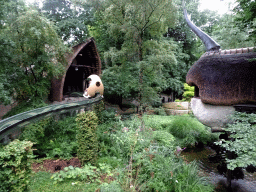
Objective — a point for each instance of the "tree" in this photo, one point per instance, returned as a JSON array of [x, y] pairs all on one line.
[[5, 44], [70, 18], [139, 25], [246, 12], [37, 54], [229, 35]]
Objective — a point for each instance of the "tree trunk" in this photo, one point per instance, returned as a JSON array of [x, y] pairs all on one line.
[[140, 110]]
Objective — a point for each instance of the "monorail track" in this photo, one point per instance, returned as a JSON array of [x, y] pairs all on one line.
[[10, 128]]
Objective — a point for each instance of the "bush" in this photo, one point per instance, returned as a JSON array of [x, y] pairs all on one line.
[[242, 141], [189, 131], [25, 106], [87, 138], [98, 109], [15, 169], [157, 122], [160, 111], [189, 92], [164, 138], [111, 187], [51, 138]]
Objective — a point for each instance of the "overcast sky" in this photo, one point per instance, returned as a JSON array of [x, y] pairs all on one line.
[[222, 6]]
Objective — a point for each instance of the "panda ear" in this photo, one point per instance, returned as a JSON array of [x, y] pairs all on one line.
[[97, 83]]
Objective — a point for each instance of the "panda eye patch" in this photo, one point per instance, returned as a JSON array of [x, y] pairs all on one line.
[[97, 83]]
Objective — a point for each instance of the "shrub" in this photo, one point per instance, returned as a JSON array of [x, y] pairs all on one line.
[[51, 138], [14, 166], [112, 161], [157, 169], [87, 138], [189, 131], [160, 111], [98, 109], [242, 142], [144, 160], [157, 122], [25, 106], [164, 138], [111, 187], [88, 173], [189, 92]]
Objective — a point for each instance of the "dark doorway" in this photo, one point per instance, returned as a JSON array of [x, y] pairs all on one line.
[[75, 80]]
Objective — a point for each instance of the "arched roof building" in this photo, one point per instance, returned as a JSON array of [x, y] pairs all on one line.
[[83, 62]]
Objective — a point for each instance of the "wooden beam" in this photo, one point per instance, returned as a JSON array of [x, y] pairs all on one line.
[[85, 66]]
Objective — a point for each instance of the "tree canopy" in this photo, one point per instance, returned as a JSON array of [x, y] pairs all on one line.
[[138, 27], [145, 45], [71, 19], [246, 14], [34, 55]]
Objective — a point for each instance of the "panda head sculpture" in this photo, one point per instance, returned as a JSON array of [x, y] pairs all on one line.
[[95, 86]]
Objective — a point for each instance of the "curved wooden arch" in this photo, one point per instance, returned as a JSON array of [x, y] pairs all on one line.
[[91, 60]]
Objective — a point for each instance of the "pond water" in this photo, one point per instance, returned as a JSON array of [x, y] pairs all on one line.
[[209, 170]]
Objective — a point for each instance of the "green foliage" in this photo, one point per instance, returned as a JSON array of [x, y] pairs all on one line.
[[139, 61], [98, 109], [70, 17], [229, 35], [88, 173], [164, 138], [111, 161], [243, 143], [119, 81], [86, 137], [111, 187], [51, 138], [41, 181], [189, 92], [129, 139], [38, 54], [26, 106], [159, 111], [104, 115], [15, 169], [135, 158], [150, 161], [187, 180], [157, 122], [189, 131], [246, 10], [5, 94]]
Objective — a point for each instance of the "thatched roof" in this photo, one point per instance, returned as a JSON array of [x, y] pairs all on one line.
[[226, 77], [88, 57]]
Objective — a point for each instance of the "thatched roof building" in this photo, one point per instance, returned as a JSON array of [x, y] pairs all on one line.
[[225, 77], [84, 61]]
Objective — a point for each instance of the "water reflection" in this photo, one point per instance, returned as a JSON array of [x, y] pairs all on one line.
[[209, 170]]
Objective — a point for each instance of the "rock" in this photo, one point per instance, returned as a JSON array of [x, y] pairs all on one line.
[[211, 115]]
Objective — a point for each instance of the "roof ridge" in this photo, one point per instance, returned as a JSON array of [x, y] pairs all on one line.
[[230, 51]]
